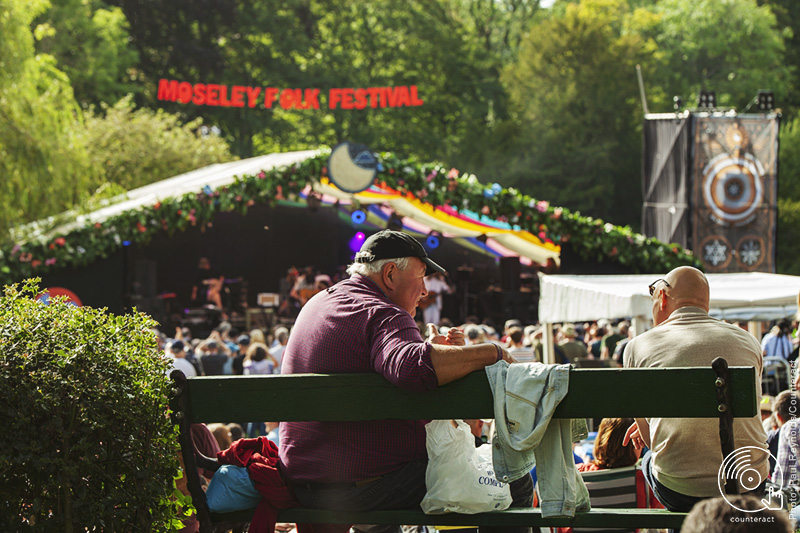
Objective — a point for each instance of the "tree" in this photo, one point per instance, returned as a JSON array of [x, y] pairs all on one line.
[[326, 44], [133, 148], [90, 44], [733, 48], [577, 111], [44, 168]]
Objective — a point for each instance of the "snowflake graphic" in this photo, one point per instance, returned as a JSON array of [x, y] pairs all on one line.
[[715, 253], [749, 253]]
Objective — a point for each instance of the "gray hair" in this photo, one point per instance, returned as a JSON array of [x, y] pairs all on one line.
[[365, 269]]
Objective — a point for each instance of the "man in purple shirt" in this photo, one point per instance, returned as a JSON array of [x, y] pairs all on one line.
[[366, 324]]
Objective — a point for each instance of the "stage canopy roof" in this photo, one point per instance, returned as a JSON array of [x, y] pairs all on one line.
[[380, 202], [743, 296]]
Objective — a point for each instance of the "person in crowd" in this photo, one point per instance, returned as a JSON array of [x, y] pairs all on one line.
[[683, 462], [537, 344], [222, 434], [785, 408], [608, 451], [572, 349], [289, 306], [432, 303], [612, 338], [619, 352], [177, 352], [366, 324], [510, 323], [490, 332], [281, 338], [213, 354], [306, 286], [258, 360], [475, 334], [273, 432], [225, 330], [596, 341], [243, 343], [778, 342], [257, 335], [516, 347], [208, 284], [237, 431], [787, 466], [735, 514]]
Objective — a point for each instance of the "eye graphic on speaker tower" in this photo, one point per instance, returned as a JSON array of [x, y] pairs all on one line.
[[734, 188]]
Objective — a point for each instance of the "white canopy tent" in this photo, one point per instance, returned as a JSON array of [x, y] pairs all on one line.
[[752, 296]]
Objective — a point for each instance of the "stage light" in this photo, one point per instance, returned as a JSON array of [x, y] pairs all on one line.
[[357, 241], [395, 222], [432, 241], [358, 216], [707, 100], [766, 100]]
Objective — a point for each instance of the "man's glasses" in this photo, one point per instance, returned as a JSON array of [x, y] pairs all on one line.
[[652, 286]]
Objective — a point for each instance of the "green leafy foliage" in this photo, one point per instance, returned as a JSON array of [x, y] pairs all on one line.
[[88, 445], [44, 168], [135, 147], [575, 91], [91, 44], [733, 48]]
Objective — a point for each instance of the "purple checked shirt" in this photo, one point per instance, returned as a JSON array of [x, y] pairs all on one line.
[[353, 327]]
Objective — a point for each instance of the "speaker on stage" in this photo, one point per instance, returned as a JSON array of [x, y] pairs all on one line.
[[510, 271]]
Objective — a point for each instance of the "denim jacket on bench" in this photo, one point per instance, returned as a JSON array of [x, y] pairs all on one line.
[[525, 398]]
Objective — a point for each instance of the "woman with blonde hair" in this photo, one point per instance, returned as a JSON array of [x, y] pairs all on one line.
[[257, 335]]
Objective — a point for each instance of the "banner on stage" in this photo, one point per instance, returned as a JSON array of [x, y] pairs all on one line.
[[734, 192]]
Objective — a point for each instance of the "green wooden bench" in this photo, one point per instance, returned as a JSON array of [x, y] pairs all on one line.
[[720, 392]]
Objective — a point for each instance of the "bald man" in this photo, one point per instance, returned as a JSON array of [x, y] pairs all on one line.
[[684, 458]]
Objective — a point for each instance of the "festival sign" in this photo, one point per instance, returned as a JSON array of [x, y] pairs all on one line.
[[734, 192], [211, 94]]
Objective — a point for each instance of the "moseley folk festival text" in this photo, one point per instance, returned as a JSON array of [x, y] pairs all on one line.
[[243, 96]]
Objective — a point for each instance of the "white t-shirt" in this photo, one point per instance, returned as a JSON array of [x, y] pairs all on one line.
[[180, 363]]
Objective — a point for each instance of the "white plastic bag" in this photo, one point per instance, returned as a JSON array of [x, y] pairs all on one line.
[[460, 478]]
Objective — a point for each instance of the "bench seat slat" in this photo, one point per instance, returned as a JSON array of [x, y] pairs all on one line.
[[622, 518], [593, 393]]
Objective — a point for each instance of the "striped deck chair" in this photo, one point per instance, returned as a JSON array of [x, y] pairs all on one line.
[[617, 488]]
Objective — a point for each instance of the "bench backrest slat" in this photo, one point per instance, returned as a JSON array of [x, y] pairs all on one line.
[[593, 393]]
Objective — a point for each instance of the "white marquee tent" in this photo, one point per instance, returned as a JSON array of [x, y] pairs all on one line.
[[752, 296]]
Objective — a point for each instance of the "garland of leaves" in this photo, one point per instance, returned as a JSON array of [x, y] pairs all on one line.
[[430, 182]]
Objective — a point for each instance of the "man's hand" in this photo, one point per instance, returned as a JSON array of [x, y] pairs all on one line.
[[507, 356], [634, 437], [455, 337]]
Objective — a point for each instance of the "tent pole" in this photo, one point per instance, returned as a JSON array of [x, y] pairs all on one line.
[[548, 352]]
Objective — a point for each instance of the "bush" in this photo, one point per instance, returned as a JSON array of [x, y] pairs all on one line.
[[88, 445]]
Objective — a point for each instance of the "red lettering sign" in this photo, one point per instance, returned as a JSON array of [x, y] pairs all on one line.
[[213, 94]]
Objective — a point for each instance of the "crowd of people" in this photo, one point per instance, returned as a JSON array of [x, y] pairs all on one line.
[[367, 323]]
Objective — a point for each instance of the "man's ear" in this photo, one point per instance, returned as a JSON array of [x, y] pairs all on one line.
[[662, 300], [388, 274]]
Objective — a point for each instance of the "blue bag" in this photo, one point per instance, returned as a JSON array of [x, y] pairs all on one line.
[[231, 489]]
